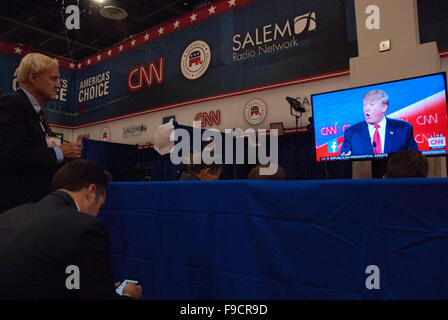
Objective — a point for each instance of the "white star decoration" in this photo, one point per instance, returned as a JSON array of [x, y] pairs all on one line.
[[18, 50], [176, 24]]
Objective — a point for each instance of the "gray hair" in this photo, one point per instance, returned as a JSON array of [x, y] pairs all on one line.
[[34, 62]]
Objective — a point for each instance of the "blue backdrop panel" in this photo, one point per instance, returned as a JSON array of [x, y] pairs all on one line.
[[280, 239]]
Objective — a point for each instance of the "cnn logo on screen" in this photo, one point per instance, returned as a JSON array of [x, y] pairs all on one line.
[[437, 142]]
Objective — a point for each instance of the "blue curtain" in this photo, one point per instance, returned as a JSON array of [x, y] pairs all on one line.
[[128, 163], [119, 159]]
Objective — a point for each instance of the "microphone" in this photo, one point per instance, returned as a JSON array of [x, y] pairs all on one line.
[[374, 147]]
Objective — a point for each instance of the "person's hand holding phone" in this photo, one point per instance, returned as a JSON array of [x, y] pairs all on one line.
[[130, 288]]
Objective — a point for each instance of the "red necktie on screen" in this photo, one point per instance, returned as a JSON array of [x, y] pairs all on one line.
[[377, 140]]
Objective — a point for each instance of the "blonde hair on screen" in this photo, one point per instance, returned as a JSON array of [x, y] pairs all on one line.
[[34, 62]]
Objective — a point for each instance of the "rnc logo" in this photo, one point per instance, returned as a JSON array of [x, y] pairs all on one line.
[[195, 60], [437, 143], [333, 146], [255, 111]]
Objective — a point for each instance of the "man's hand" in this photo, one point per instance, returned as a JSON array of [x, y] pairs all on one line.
[[71, 150], [348, 154], [132, 290]]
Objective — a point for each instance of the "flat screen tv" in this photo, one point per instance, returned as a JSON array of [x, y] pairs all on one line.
[[375, 121]]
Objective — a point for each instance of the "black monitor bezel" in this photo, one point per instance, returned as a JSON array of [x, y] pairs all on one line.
[[372, 158]]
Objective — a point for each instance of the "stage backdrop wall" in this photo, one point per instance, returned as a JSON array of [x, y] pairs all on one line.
[[254, 45]]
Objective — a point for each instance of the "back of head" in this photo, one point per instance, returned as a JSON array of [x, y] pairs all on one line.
[[34, 62], [214, 169], [254, 173], [79, 174], [407, 164]]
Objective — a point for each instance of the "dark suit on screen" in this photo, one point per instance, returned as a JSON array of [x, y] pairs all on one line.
[[26, 163], [399, 136], [37, 243]]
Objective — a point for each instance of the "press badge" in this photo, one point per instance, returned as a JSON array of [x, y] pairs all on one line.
[[53, 142]]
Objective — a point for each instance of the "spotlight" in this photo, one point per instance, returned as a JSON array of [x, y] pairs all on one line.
[[296, 109], [295, 104]]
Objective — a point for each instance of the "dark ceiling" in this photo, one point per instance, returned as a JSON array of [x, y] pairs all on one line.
[[41, 25]]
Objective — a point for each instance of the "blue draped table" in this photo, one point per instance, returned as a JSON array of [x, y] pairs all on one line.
[[281, 239]]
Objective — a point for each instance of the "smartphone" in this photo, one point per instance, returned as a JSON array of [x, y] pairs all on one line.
[[120, 288]]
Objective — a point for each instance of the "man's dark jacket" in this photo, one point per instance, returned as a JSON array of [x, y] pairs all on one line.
[[399, 136], [39, 241], [27, 165]]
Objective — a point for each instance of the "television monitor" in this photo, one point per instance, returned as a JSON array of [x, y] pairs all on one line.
[[419, 104]]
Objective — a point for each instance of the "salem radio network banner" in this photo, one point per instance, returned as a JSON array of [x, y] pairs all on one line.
[[256, 44], [224, 47]]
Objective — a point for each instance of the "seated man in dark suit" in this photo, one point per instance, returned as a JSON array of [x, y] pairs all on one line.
[[56, 248], [407, 164], [377, 134]]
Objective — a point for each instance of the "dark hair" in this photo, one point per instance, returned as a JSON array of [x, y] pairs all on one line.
[[196, 168], [407, 164], [79, 174], [254, 173]]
